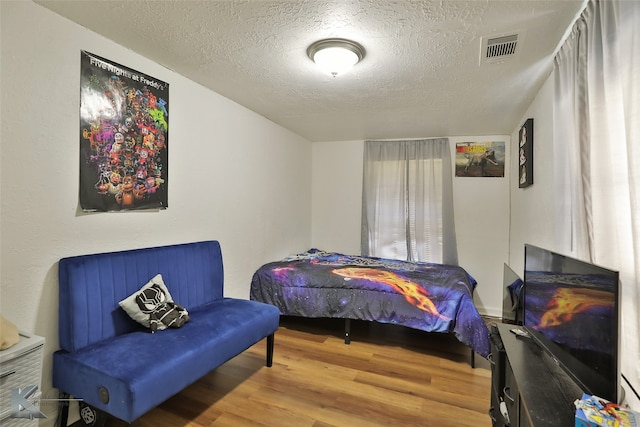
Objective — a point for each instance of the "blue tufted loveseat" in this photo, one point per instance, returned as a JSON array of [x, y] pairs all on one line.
[[116, 365]]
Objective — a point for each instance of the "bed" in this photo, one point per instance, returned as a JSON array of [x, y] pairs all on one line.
[[424, 296]]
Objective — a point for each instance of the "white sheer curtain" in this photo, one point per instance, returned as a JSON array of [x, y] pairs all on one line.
[[407, 201], [596, 133]]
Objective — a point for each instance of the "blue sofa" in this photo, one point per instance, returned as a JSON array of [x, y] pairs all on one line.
[[118, 366]]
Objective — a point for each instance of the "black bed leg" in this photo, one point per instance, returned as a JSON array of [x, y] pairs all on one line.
[[270, 340], [64, 408], [473, 359], [347, 331]]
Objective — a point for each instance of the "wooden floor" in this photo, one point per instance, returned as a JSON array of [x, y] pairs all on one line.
[[388, 376]]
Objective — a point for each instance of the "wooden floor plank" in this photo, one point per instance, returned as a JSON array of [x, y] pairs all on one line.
[[387, 376]]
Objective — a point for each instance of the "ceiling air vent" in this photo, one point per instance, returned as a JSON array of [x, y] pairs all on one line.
[[498, 49]]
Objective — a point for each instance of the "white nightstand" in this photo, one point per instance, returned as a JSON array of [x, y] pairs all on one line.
[[20, 367]]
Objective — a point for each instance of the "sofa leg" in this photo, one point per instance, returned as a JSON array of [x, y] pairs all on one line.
[[64, 409], [270, 340], [347, 331]]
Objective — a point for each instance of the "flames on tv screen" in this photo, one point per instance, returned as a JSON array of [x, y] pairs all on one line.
[[575, 311], [571, 308]]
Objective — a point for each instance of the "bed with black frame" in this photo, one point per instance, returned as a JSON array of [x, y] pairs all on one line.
[[425, 296]]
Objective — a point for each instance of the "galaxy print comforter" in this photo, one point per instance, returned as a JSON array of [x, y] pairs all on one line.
[[425, 296]]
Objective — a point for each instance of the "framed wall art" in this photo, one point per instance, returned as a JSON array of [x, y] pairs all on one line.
[[480, 159], [124, 137], [525, 154]]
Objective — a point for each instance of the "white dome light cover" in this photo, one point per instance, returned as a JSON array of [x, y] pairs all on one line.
[[336, 56]]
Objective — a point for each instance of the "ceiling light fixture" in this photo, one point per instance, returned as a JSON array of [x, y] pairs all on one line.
[[336, 56]]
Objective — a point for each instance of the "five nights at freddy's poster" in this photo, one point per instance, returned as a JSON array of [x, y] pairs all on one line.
[[124, 139]]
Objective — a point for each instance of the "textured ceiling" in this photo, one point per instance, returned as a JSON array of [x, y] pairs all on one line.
[[422, 75]]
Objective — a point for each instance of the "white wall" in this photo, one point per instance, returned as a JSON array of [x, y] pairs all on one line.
[[337, 195], [481, 213], [482, 228], [532, 208], [235, 176]]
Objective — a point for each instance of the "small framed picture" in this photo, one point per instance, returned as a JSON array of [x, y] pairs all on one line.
[[480, 159], [525, 154]]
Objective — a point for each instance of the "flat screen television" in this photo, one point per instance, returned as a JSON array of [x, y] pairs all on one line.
[[571, 309]]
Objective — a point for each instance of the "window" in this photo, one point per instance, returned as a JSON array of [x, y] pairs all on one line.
[[407, 201]]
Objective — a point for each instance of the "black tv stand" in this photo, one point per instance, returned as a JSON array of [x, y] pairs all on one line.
[[534, 388]]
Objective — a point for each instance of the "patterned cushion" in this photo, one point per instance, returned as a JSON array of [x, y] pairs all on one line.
[[153, 307]]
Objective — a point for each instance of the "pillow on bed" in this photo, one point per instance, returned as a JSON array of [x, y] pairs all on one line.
[[153, 307]]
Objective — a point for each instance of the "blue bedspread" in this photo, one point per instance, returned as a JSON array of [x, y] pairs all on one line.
[[425, 296]]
